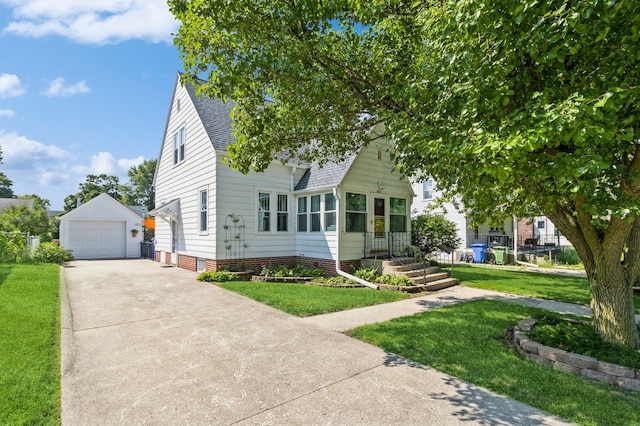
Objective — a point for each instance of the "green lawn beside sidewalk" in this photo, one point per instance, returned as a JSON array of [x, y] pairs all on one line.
[[29, 344]]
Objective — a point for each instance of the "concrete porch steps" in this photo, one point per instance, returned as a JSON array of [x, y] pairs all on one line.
[[429, 278]]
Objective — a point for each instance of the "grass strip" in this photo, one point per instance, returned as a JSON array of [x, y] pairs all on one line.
[[306, 300], [469, 341], [29, 345]]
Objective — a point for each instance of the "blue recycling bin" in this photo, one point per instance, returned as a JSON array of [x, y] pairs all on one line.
[[479, 253]]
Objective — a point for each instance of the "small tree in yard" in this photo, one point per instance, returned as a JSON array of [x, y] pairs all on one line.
[[520, 108], [430, 231]]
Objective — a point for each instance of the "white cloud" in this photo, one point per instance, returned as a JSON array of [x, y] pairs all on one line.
[[47, 170], [18, 151], [9, 113], [10, 86], [106, 163], [93, 22], [58, 87]]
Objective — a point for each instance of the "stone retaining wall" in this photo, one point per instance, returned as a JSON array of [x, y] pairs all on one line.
[[569, 362]]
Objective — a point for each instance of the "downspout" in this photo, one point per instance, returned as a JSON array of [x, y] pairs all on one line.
[[338, 270]]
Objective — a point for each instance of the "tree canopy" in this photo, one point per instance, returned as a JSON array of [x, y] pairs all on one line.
[[5, 182], [516, 107], [93, 186], [140, 191]]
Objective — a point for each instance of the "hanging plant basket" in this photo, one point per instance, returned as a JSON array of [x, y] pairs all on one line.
[[134, 233]]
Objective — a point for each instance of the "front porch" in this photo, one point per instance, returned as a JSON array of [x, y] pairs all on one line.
[[386, 245]]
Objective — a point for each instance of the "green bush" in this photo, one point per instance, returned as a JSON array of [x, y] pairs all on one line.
[[216, 276], [12, 247], [51, 253], [286, 271], [367, 274], [581, 338], [393, 280]]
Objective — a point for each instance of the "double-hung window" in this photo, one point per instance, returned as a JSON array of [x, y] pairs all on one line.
[[204, 217], [264, 212], [329, 212], [303, 221], [398, 215], [427, 189], [178, 146], [315, 213], [283, 213], [356, 212]]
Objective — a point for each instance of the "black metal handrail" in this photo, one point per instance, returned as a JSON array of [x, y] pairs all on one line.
[[386, 244]]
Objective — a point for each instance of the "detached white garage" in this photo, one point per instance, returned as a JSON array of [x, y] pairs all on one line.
[[102, 228]]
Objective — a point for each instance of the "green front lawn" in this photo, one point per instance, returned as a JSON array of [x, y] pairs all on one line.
[[29, 345], [469, 341], [535, 284], [305, 300]]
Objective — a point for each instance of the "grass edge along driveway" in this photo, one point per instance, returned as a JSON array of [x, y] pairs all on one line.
[[29, 344]]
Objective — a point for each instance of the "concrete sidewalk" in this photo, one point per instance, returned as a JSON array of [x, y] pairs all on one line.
[[147, 344]]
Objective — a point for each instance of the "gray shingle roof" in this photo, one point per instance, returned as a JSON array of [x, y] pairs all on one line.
[[215, 117], [330, 174]]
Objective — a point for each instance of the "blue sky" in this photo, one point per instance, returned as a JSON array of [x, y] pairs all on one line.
[[85, 87]]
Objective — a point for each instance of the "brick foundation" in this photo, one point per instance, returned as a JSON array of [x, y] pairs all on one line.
[[255, 264]]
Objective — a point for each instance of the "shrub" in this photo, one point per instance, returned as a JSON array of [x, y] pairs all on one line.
[[216, 276], [393, 280], [296, 271], [367, 274], [428, 231], [51, 253], [12, 247]]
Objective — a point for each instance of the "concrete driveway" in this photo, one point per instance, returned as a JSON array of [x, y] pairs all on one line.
[[148, 344]]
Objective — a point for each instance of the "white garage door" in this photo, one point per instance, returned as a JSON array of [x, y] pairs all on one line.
[[97, 239]]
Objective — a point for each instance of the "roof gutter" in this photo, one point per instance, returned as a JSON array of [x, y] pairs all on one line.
[[338, 270]]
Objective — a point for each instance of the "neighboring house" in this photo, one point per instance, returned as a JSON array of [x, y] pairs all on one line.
[[427, 195], [530, 235], [101, 228], [5, 203], [209, 217]]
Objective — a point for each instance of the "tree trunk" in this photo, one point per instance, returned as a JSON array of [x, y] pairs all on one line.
[[612, 305], [610, 278]]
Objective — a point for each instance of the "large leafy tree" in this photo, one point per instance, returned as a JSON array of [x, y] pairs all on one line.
[[5, 183], [140, 191], [34, 221], [518, 107], [93, 186]]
